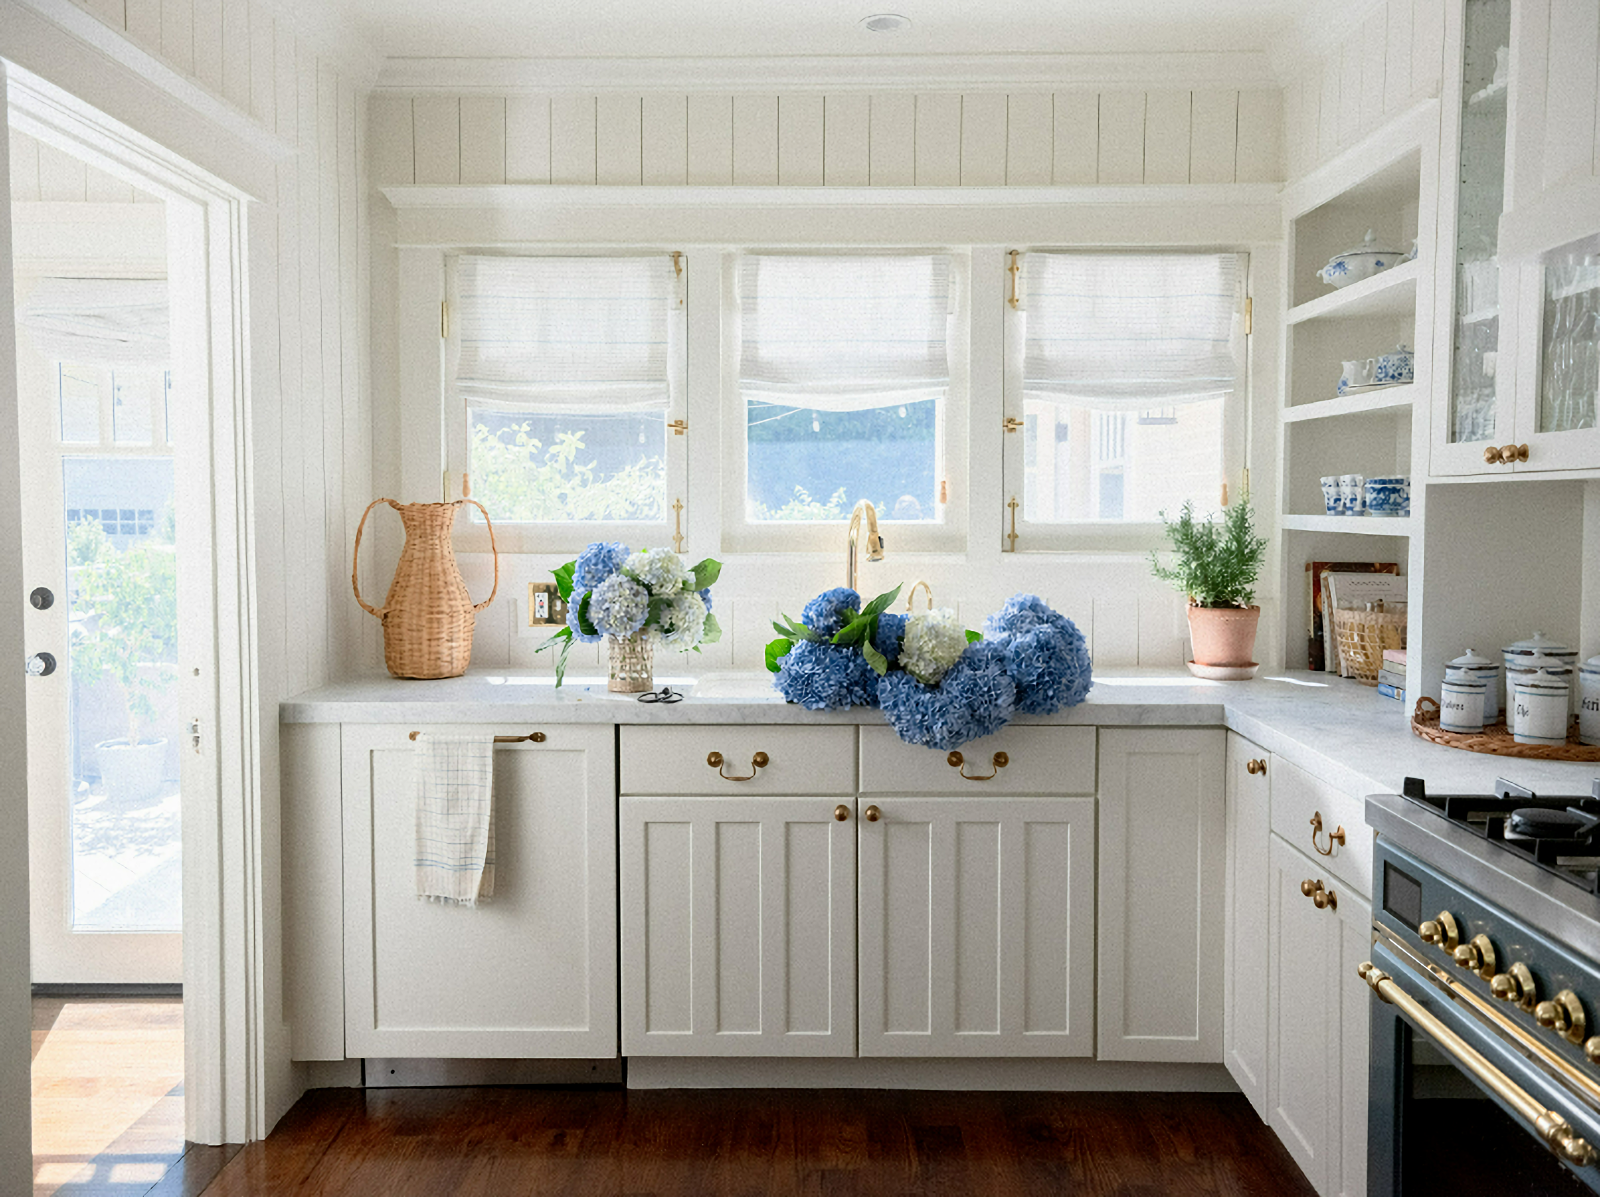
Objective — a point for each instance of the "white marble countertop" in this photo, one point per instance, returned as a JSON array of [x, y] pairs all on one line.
[[1343, 732]]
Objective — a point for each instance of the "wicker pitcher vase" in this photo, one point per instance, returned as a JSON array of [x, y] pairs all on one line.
[[428, 617]]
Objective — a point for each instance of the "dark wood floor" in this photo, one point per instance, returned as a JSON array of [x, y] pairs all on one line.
[[733, 1143]]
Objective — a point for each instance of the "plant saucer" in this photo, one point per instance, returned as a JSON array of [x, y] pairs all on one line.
[[1224, 673]]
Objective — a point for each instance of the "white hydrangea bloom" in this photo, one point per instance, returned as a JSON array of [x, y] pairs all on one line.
[[933, 641], [683, 623], [661, 570]]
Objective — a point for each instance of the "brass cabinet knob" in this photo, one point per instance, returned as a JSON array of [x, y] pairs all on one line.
[[1514, 453], [1442, 930], [1516, 985], [1477, 957], [1309, 887], [1564, 1015], [1321, 897], [1255, 767], [873, 814], [841, 812], [1491, 455]]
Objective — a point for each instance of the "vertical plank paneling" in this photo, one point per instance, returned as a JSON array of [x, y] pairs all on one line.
[[312, 527], [354, 395], [24, 167], [328, 333], [1116, 629], [847, 140], [710, 140], [1427, 43], [262, 73], [527, 139], [1260, 152], [483, 139], [144, 23], [61, 176], [572, 134], [391, 138], [177, 34], [291, 476], [1570, 92], [1166, 136], [1293, 126], [1351, 54], [938, 140], [109, 11], [755, 140], [1397, 57], [1328, 118], [1374, 56], [983, 139], [1121, 137], [665, 152], [236, 52], [618, 136], [208, 43], [1311, 119], [1030, 139], [800, 140], [1213, 136], [1076, 157], [892, 151], [101, 188], [436, 139]]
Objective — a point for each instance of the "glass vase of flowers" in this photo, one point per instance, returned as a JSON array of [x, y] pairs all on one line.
[[636, 601]]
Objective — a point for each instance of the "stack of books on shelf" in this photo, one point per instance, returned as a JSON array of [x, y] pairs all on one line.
[[1392, 674]]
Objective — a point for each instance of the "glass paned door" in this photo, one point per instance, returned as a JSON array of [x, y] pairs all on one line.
[[1569, 350]]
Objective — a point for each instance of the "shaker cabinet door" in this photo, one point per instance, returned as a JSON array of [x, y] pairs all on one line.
[[1247, 830], [530, 973]]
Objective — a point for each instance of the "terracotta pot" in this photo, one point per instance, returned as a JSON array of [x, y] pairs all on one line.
[[1223, 636]]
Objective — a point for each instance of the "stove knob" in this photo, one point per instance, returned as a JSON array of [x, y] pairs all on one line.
[[1441, 930], [1477, 956], [1591, 1048], [1516, 984], [1564, 1015]]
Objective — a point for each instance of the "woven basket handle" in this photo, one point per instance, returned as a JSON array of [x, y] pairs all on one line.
[[496, 588], [356, 559]]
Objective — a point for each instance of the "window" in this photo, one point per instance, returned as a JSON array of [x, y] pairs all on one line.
[[563, 374], [846, 373], [1127, 372]]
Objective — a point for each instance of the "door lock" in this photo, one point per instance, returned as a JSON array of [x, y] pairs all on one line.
[[40, 665], [41, 598]]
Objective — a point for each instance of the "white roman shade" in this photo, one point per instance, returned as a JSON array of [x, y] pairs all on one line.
[[844, 332], [572, 334], [98, 321], [1131, 331]]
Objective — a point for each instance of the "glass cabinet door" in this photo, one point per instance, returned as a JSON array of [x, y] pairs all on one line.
[[1569, 338]]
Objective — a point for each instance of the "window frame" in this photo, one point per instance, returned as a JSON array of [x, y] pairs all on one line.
[[739, 534], [566, 537], [1119, 536]]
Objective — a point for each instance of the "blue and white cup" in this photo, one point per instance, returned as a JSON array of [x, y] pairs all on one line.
[[1540, 710], [1389, 496], [1330, 495], [1352, 494], [1461, 702]]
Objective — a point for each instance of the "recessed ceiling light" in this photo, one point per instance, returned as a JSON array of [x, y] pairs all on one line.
[[885, 22]]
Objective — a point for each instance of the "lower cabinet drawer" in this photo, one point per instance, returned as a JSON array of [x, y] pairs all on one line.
[[1037, 760], [737, 759], [1310, 814]]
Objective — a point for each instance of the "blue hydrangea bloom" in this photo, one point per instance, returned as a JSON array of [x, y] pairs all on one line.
[[825, 677], [619, 606], [824, 614], [887, 638], [597, 563], [974, 699], [1020, 613], [705, 597], [1045, 655], [578, 633]]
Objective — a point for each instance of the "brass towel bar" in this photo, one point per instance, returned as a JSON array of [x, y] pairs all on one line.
[[535, 737]]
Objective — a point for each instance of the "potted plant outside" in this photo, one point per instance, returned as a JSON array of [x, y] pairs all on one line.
[[1215, 563], [130, 635]]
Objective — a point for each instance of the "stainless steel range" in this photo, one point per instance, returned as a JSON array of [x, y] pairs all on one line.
[[1485, 1049]]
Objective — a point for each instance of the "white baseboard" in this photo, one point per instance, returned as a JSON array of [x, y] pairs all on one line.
[[664, 1072]]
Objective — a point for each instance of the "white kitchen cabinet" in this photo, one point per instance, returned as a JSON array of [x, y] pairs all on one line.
[[1161, 907], [1317, 1048], [738, 925], [976, 926], [1247, 827], [532, 972]]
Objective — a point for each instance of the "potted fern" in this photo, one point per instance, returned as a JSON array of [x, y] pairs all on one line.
[[1215, 562]]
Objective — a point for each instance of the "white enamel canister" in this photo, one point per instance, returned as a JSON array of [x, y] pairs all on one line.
[[1589, 701], [1470, 665], [1541, 708], [1461, 702]]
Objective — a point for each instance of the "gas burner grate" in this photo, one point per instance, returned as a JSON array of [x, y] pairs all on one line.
[[1575, 860]]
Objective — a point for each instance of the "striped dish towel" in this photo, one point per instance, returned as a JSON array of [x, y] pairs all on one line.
[[455, 818]]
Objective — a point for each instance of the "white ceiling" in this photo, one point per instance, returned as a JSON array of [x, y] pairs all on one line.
[[547, 29]]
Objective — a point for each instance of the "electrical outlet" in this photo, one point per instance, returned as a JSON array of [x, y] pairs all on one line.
[[545, 607]]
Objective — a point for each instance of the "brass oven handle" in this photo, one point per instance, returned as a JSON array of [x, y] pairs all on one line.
[[1550, 1126], [759, 761], [1336, 837], [997, 762]]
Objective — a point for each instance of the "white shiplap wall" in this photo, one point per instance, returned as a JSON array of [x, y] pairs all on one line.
[[851, 139], [42, 173]]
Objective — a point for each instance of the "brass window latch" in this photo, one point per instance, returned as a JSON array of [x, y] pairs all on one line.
[[1012, 424]]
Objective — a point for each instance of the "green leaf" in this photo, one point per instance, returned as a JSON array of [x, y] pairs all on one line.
[[585, 624], [881, 604], [561, 637], [653, 613], [564, 639], [713, 631], [563, 577], [784, 626], [706, 573], [879, 662], [973, 637], [777, 650], [856, 631]]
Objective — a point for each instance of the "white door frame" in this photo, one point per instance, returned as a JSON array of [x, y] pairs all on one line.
[[224, 1068]]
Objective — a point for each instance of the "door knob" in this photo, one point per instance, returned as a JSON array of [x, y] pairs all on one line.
[[41, 598], [40, 665]]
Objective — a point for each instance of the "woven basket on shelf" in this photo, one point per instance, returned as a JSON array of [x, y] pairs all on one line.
[[1361, 637], [632, 661], [428, 617]]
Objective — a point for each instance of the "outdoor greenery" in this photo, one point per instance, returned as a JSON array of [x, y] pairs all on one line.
[[520, 479], [804, 507], [130, 603], [1215, 562]]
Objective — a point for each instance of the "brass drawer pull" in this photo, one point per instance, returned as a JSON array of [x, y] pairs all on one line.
[[997, 762], [1336, 837], [759, 761], [1321, 898]]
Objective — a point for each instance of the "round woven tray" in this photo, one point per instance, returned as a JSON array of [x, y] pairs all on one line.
[[1496, 739]]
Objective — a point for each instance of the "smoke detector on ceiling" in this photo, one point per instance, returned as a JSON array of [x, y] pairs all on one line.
[[885, 22]]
